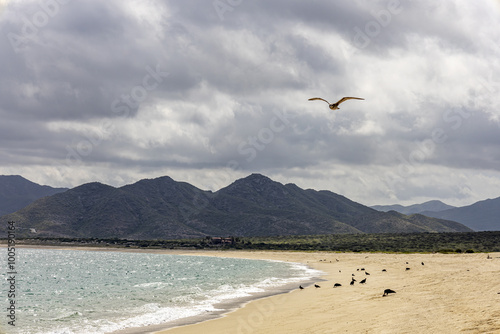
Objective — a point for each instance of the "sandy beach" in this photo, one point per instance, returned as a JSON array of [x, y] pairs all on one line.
[[449, 293]]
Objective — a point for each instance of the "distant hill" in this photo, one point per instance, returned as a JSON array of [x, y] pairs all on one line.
[[480, 216], [415, 208], [16, 192], [165, 209]]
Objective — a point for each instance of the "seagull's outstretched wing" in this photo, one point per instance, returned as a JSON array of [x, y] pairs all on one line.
[[348, 98], [318, 98]]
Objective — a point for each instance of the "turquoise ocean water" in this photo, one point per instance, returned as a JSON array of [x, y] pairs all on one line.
[[72, 291]]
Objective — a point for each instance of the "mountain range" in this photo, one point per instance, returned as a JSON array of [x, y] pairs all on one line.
[[480, 216], [415, 208], [16, 192], [162, 208]]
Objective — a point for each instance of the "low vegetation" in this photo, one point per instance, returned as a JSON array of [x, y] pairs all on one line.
[[466, 242]]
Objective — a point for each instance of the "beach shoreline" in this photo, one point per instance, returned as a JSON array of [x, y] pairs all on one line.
[[221, 308], [439, 293], [224, 308]]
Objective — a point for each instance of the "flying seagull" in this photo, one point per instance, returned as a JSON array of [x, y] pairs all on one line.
[[335, 106]]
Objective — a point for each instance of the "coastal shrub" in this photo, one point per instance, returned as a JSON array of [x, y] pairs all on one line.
[[468, 242], [445, 251]]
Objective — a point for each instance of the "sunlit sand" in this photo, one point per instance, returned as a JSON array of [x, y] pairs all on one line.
[[449, 293]]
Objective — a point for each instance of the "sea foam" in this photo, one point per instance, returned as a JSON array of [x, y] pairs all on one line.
[[76, 292]]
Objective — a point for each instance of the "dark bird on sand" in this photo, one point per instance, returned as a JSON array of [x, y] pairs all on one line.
[[407, 268], [337, 285], [352, 282], [300, 287], [316, 286], [384, 270], [363, 281], [335, 106], [422, 263], [388, 291], [367, 273]]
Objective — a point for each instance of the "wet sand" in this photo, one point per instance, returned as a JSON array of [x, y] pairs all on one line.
[[450, 293]]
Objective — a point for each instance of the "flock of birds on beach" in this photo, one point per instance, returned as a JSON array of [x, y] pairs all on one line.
[[363, 281], [335, 106]]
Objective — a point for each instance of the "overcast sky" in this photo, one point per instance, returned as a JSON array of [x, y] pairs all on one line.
[[211, 91]]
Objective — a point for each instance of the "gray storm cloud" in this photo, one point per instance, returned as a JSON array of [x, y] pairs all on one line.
[[207, 92]]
